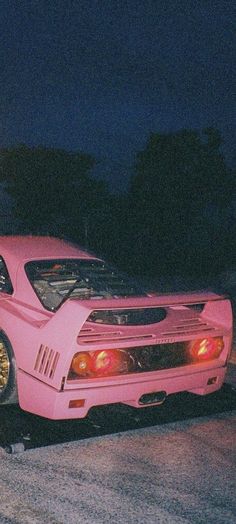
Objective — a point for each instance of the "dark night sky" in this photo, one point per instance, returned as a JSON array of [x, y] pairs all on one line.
[[99, 75]]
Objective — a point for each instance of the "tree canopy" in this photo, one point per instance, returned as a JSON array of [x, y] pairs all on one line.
[[180, 186], [177, 216], [54, 192], [44, 183]]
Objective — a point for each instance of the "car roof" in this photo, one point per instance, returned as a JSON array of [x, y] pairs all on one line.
[[20, 248]]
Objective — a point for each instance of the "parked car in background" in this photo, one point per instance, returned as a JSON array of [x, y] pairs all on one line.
[[75, 333]]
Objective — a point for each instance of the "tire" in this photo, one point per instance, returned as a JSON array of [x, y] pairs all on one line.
[[8, 389]]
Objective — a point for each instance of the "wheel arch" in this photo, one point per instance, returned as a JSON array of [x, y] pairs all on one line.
[[9, 394]]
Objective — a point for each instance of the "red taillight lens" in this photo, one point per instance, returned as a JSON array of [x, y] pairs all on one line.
[[81, 364], [106, 362], [100, 363], [207, 348]]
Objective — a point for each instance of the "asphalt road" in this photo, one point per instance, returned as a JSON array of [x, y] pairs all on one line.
[[182, 472], [167, 465]]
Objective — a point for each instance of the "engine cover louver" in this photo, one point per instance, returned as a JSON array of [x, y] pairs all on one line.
[[91, 336], [188, 327]]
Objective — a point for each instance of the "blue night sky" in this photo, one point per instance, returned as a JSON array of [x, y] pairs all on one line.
[[99, 75]]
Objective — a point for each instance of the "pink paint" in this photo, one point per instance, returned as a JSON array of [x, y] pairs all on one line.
[[45, 341]]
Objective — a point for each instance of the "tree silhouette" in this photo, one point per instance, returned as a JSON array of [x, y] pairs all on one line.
[[181, 183], [45, 185], [176, 217], [53, 192]]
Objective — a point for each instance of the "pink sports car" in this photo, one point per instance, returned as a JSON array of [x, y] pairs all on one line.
[[75, 333]]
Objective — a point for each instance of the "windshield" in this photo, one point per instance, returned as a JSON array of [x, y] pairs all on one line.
[[54, 281]]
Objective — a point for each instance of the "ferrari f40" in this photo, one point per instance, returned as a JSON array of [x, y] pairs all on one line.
[[75, 333]]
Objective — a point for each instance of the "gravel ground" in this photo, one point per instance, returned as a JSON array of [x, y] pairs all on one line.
[[177, 473]]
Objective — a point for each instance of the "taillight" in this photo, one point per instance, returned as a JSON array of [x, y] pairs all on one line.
[[100, 363], [81, 364], [110, 362], [206, 348], [106, 362]]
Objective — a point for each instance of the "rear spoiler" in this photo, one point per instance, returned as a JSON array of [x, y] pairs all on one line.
[[151, 301]]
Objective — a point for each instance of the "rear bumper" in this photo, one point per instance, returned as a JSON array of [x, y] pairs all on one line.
[[41, 399]]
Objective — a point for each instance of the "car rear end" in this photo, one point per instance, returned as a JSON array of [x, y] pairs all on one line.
[[135, 351]]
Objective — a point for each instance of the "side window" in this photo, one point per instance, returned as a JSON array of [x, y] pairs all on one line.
[[5, 282]]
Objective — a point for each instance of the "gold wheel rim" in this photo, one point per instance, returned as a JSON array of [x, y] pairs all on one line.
[[4, 366]]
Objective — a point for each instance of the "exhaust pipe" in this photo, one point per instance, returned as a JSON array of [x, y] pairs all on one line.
[[157, 397]]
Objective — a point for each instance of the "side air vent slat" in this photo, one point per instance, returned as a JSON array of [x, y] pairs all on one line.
[[46, 361]]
